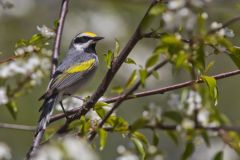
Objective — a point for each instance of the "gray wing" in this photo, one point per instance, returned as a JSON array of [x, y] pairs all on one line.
[[63, 79]]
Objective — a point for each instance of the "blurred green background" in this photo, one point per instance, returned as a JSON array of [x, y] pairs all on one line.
[[113, 19]]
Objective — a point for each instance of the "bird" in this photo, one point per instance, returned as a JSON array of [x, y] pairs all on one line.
[[75, 70]]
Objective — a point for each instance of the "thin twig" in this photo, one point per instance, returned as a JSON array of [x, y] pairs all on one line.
[[58, 38], [116, 64], [152, 92], [229, 22], [17, 127], [56, 52], [8, 59], [166, 127]]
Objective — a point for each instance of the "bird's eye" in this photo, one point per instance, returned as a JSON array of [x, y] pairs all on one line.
[[83, 39]]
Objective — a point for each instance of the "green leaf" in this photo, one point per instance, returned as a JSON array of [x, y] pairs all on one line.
[[100, 104], [157, 9], [99, 108], [131, 79], [117, 89], [173, 137], [209, 66], [56, 23], [152, 60], [200, 60], [117, 48], [12, 108], [232, 139], [155, 138], [235, 56], [102, 138], [118, 124], [173, 115], [172, 43], [108, 57], [130, 61], [143, 76], [201, 24], [155, 74], [218, 156], [189, 149], [181, 59], [140, 148], [139, 123], [212, 87], [36, 38], [76, 124], [140, 136], [205, 138], [20, 42]]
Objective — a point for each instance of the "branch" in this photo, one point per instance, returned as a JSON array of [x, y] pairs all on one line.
[[123, 97], [8, 59], [57, 41], [17, 127], [229, 22], [216, 128], [116, 64], [58, 38], [151, 92], [166, 127]]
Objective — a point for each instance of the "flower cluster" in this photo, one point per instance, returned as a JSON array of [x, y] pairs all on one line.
[[188, 103], [5, 152], [153, 114], [46, 32], [67, 148], [181, 14]]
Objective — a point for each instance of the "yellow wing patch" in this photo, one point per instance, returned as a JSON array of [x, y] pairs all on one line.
[[81, 67], [90, 34]]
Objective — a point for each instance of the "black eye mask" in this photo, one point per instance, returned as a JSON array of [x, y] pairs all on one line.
[[83, 39]]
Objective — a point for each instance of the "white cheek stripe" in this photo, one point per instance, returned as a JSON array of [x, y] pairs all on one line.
[[81, 47], [78, 47]]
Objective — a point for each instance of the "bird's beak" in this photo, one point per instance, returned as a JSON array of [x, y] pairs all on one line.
[[97, 38]]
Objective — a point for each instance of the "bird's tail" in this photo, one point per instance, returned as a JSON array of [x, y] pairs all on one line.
[[47, 109]]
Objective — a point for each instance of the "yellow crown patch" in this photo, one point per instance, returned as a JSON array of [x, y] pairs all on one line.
[[90, 34]]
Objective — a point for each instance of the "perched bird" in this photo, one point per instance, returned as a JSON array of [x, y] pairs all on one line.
[[74, 71]]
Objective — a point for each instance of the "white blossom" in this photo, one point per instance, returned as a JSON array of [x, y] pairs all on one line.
[[175, 4], [128, 156], [158, 157], [29, 48], [121, 149], [49, 152], [203, 117], [174, 100], [45, 31], [215, 25], [3, 96], [194, 101], [45, 64], [70, 103], [199, 3], [78, 149], [5, 71], [153, 114], [5, 152], [36, 78], [187, 124], [67, 148], [183, 17], [152, 149], [204, 15], [19, 51]]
